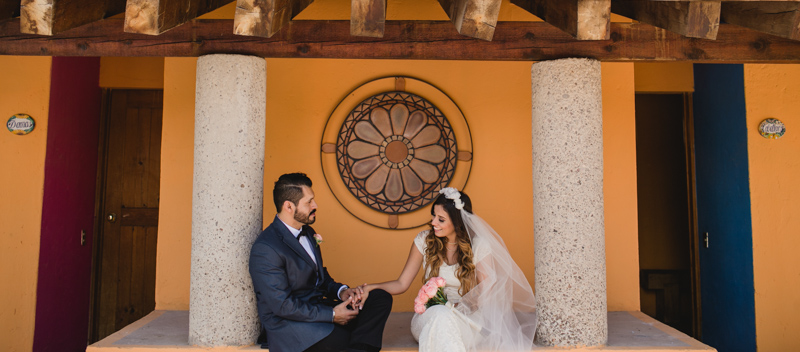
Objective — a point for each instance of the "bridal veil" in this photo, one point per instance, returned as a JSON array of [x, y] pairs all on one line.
[[502, 305]]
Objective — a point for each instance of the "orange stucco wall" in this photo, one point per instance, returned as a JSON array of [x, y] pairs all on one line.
[[652, 77], [24, 88], [132, 72], [175, 213], [772, 91], [619, 187], [495, 98]]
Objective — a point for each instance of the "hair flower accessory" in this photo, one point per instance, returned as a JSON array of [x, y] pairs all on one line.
[[454, 195]]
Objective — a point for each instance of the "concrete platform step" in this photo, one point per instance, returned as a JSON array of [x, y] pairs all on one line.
[[168, 331]]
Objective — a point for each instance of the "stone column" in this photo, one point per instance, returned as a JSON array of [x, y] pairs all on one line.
[[230, 109], [569, 235]]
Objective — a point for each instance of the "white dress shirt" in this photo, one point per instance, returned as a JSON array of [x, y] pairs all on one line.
[[303, 242]]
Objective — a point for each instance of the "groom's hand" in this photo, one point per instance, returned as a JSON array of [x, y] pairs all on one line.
[[355, 295], [341, 314]]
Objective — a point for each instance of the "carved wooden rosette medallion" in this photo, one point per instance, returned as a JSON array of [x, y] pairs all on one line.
[[395, 151], [391, 150]]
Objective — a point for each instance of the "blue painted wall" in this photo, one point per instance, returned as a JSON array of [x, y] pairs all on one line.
[[723, 208]]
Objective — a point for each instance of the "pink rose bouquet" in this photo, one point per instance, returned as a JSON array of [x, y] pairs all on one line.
[[431, 294]]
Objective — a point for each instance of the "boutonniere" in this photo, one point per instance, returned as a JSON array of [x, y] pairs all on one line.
[[318, 238]]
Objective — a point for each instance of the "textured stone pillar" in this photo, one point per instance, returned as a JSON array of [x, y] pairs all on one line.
[[230, 109], [569, 235]]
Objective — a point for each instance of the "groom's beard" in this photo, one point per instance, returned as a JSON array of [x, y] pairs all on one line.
[[305, 218]]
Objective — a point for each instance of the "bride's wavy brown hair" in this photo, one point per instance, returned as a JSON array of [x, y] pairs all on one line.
[[435, 248]]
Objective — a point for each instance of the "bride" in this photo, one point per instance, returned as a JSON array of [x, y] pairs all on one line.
[[490, 305]]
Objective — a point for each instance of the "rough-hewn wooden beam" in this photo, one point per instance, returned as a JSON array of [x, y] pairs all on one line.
[[473, 18], [367, 18], [264, 18], [47, 17], [9, 9], [694, 19], [517, 41], [158, 16], [779, 18], [583, 19]]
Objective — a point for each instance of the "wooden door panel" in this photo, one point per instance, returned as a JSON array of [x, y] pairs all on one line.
[[106, 285], [126, 287]]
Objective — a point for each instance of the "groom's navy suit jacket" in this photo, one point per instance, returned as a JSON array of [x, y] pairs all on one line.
[[288, 294]]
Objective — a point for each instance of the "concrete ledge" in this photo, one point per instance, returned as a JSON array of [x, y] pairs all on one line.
[[169, 331]]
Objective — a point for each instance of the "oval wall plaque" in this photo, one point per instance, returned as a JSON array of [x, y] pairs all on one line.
[[20, 124], [771, 128]]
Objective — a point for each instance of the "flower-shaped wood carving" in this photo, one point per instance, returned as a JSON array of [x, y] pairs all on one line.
[[395, 151]]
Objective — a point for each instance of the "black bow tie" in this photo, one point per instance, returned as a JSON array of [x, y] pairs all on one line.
[[304, 232]]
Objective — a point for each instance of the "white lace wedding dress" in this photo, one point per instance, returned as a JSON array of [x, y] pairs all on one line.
[[443, 328]]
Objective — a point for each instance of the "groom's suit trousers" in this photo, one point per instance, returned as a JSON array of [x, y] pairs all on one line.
[[365, 332]]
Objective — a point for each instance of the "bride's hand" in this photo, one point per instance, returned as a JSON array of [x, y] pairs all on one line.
[[364, 294], [356, 294]]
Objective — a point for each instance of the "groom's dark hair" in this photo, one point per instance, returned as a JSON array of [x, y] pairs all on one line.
[[289, 187]]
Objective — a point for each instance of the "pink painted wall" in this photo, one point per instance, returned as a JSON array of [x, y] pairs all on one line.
[[70, 171]]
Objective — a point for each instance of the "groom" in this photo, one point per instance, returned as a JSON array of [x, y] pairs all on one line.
[[300, 306]]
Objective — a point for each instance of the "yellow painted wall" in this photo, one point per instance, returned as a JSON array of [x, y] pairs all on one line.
[[132, 72], [774, 91], [664, 77], [619, 187], [24, 88], [495, 98], [173, 253]]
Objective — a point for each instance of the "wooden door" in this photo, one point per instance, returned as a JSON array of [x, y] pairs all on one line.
[[723, 208], [125, 261]]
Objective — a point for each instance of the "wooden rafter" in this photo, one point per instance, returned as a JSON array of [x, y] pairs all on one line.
[[154, 17], [694, 19], [473, 18], [583, 19], [264, 18], [367, 18], [517, 41], [781, 18], [48, 17]]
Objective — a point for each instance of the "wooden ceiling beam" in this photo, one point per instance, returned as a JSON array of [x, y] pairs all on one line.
[[48, 17], [694, 19], [367, 18], [264, 18], [9, 9], [779, 18], [583, 19], [154, 17], [513, 41], [473, 18]]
